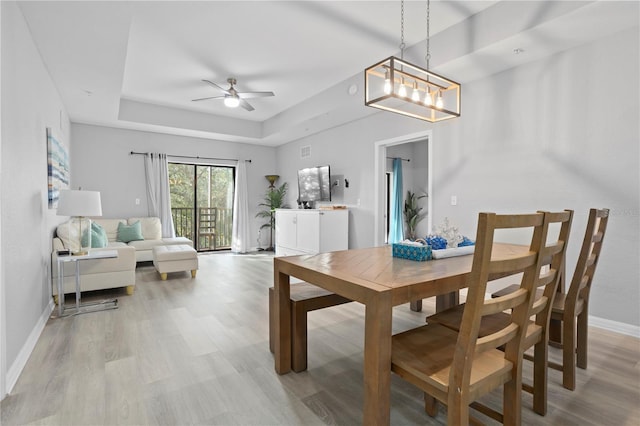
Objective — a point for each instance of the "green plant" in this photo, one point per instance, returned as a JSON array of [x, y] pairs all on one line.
[[412, 215], [273, 199]]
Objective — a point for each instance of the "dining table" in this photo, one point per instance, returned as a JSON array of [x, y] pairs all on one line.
[[373, 277]]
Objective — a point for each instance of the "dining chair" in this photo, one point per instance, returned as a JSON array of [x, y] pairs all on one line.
[[537, 336], [457, 368], [569, 325]]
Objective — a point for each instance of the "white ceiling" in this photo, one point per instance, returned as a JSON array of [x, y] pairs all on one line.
[[138, 65]]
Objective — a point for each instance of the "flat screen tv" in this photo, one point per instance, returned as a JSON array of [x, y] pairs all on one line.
[[314, 184]]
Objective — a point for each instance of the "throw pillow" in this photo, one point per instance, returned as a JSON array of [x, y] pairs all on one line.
[[98, 237], [127, 233]]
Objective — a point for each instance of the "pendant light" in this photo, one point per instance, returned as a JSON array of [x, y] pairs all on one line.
[[433, 97]]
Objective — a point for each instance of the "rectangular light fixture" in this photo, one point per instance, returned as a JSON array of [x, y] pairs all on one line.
[[398, 86]]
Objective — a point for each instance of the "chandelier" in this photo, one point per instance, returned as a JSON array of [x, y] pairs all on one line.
[[396, 85]]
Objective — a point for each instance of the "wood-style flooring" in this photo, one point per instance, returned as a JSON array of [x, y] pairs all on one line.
[[195, 351]]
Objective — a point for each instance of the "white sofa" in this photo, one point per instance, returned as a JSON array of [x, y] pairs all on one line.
[[117, 272]]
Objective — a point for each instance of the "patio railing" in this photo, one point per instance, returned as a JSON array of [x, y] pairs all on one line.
[[211, 225]]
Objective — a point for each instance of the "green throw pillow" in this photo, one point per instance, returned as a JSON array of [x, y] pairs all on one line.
[[128, 233], [98, 237]]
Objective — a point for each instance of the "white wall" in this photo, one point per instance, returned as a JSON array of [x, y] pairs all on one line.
[[102, 162], [30, 104], [556, 133]]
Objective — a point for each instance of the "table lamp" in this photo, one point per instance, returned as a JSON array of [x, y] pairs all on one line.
[[79, 205]]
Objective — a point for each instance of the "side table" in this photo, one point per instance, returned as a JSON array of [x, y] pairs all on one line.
[[81, 308]]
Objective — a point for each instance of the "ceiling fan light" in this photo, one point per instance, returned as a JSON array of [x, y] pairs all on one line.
[[231, 101]]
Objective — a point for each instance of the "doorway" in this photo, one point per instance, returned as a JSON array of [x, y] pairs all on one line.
[[381, 185], [202, 204]]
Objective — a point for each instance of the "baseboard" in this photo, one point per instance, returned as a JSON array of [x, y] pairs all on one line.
[[13, 373], [618, 327]]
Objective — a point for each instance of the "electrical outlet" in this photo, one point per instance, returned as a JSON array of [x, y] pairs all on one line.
[[454, 200], [137, 201]]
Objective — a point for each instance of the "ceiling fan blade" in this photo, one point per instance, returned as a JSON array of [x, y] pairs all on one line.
[[210, 97], [225, 91], [246, 105], [249, 95]]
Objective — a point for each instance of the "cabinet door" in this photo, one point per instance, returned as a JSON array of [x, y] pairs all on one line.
[[308, 238], [286, 228]]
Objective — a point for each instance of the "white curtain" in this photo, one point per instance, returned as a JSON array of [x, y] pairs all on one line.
[[240, 231], [158, 196]]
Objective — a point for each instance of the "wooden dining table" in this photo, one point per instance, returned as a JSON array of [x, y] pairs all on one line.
[[373, 277]]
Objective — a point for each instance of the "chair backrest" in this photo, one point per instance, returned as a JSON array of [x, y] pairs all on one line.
[[484, 268], [587, 260], [553, 254]]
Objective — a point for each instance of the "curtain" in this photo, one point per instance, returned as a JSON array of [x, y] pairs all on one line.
[[156, 170], [395, 218], [240, 230]]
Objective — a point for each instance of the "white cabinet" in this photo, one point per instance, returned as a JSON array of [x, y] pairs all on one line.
[[311, 231]]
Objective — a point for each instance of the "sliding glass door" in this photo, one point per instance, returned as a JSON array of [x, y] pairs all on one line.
[[202, 204]]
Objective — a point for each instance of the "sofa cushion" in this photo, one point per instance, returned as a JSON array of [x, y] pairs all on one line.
[[128, 233], [69, 239], [151, 227], [98, 237], [110, 226]]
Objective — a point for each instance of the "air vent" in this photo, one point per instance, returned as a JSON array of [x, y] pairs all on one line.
[[305, 152]]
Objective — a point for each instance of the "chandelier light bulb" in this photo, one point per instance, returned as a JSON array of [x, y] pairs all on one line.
[[387, 83], [415, 96], [403, 89], [231, 101], [439, 101], [427, 99]]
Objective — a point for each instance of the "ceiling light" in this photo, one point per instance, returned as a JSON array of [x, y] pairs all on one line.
[[382, 78], [231, 101]]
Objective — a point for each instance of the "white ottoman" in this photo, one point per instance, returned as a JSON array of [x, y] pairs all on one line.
[[175, 258]]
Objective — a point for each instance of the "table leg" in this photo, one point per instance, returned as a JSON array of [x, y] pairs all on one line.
[[377, 360], [77, 286], [60, 288], [282, 323], [416, 305], [446, 301]]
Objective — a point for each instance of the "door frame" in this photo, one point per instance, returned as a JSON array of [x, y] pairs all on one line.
[[380, 158]]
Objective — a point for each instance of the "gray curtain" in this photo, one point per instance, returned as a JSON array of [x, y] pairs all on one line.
[[156, 170]]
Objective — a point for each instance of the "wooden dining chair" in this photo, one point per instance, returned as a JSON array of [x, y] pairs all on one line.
[[457, 368], [569, 326], [537, 336]]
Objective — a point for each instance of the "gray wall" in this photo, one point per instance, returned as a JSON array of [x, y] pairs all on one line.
[[30, 104], [553, 134], [101, 162]]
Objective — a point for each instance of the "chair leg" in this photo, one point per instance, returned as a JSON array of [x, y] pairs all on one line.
[[299, 333], [512, 398], [581, 344], [540, 357], [569, 353]]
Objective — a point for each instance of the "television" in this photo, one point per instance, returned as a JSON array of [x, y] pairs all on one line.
[[314, 184]]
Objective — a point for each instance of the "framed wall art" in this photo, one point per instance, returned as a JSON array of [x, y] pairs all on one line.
[[57, 167]]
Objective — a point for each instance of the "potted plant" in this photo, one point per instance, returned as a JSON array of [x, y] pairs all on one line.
[[412, 215], [273, 199]]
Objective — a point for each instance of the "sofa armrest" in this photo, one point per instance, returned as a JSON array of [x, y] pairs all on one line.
[[57, 244]]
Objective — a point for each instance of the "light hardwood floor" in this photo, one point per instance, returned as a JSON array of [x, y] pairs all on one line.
[[195, 351]]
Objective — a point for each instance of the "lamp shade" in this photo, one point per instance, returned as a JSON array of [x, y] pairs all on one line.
[[79, 203]]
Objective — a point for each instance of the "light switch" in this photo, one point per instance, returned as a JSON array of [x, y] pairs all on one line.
[[137, 201], [454, 200]]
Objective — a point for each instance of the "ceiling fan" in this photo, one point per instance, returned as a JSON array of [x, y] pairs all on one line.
[[233, 98]]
